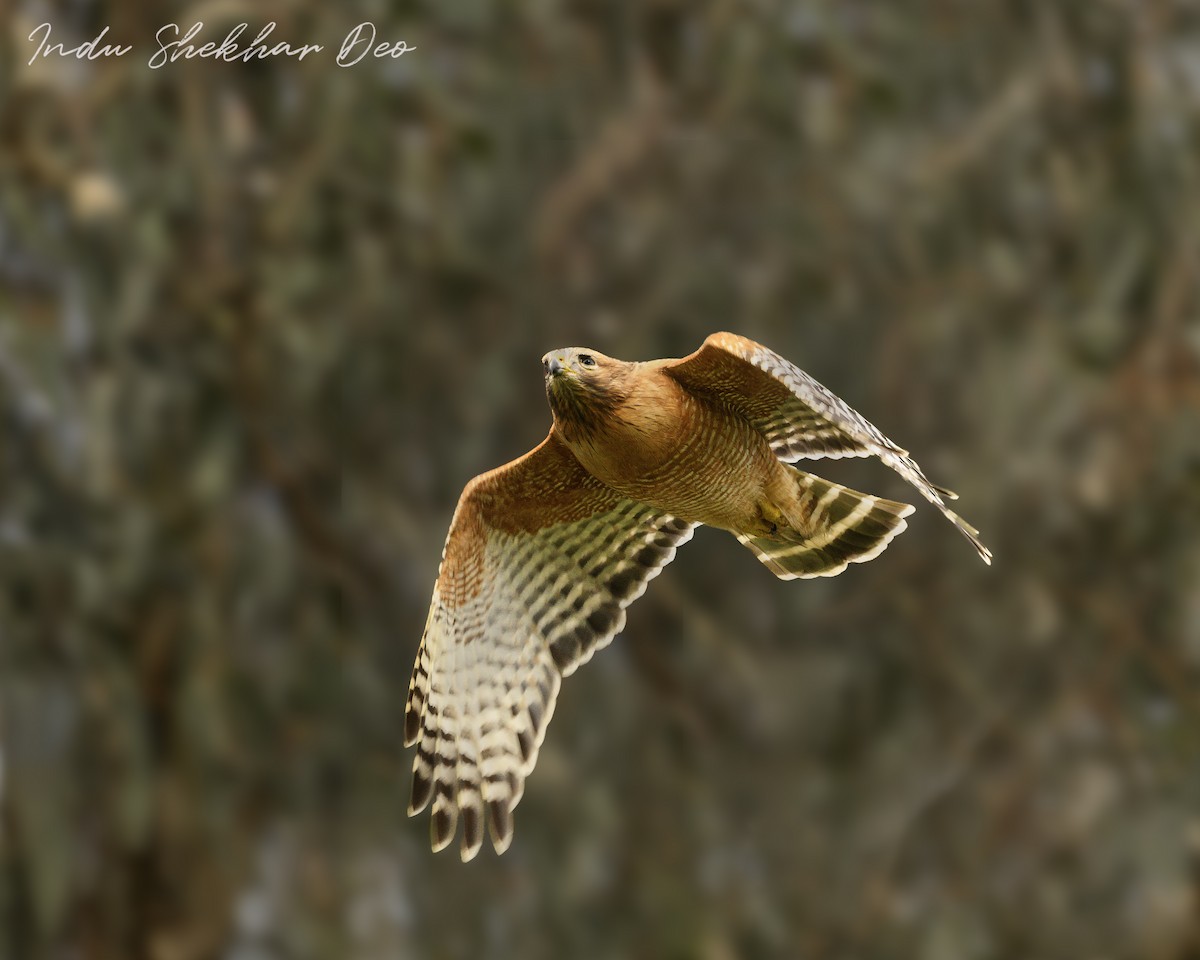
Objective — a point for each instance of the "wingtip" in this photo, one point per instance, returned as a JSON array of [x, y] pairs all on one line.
[[442, 826], [422, 789], [472, 828], [973, 535], [502, 843], [412, 721], [500, 823], [945, 492], [468, 852]]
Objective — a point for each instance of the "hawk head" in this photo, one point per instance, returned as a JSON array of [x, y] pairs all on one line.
[[583, 386]]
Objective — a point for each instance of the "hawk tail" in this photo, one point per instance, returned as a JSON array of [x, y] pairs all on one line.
[[840, 526]]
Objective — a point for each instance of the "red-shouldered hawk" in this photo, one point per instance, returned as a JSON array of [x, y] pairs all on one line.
[[545, 553]]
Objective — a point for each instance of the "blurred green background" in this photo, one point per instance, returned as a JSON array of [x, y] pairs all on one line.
[[259, 323]]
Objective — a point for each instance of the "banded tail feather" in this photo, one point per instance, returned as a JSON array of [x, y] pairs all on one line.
[[840, 526]]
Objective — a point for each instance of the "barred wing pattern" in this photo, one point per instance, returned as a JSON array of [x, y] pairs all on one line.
[[800, 417], [539, 566]]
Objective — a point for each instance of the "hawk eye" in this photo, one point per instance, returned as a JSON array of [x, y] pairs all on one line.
[[587, 359]]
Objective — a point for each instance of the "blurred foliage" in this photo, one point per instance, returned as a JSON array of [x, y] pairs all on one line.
[[259, 323]]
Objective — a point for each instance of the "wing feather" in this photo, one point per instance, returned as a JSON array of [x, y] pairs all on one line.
[[539, 565], [799, 416]]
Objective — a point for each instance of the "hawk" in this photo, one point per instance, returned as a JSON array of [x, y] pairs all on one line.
[[545, 553]]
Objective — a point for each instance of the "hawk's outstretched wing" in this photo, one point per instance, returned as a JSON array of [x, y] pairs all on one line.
[[798, 416], [540, 563]]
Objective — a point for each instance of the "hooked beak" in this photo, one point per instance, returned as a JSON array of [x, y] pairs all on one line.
[[553, 365]]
